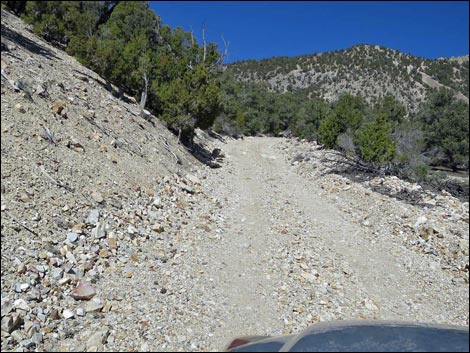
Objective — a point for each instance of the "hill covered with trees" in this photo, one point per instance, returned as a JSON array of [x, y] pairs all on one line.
[[387, 109], [370, 71], [129, 46]]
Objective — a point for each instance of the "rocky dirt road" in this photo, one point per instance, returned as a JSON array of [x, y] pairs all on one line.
[[114, 238], [288, 257], [259, 246]]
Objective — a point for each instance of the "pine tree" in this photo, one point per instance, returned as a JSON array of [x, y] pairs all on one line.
[[348, 113], [446, 129], [374, 142]]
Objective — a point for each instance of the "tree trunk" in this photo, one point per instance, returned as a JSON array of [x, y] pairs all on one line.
[[143, 98], [204, 42]]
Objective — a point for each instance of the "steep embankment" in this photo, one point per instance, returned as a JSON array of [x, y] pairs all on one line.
[[86, 183]]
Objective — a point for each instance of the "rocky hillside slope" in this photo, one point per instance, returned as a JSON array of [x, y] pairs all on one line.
[[368, 70], [79, 170]]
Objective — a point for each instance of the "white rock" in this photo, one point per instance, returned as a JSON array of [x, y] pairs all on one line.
[[21, 304], [193, 179], [98, 338], [68, 314], [57, 273], [420, 221], [72, 237], [71, 257]]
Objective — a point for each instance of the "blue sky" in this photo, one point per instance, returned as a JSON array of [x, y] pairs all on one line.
[[263, 29]]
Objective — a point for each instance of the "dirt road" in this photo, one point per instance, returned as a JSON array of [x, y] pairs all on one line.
[[288, 258]]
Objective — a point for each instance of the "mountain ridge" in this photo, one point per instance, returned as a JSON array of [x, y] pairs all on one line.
[[371, 71]]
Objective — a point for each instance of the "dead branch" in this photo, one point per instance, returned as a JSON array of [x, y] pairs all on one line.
[[192, 37], [21, 224], [168, 148], [350, 161], [222, 58], [143, 98], [177, 160], [226, 45], [56, 182], [217, 136], [10, 82], [353, 165], [49, 136], [204, 41]]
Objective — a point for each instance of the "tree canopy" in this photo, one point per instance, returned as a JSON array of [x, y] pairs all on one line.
[[129, 46], [445, 122]]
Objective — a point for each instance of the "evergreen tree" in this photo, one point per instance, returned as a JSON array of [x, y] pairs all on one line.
[[374, 142], [347, 114], [49, 19], [126, 43], [446, 129], [189, 102], [394, 111], [308, 117]]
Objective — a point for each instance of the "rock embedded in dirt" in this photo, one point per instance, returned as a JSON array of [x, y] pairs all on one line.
[[20, 108], [97, 339], [57, 107], [158, 228], [100, 230], [80, 312], [68, 314], [93, 217], [187, 188], [193, 179], [95, 304], [97, 197], [83, 292], [72, 237]]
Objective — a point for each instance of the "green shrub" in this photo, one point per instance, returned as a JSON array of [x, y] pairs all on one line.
[[374, 142], [446, 129], [348, 113]]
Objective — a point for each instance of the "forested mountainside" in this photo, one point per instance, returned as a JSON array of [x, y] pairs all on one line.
[[371, 71], [384, 107], [378, 104], [127, 44]]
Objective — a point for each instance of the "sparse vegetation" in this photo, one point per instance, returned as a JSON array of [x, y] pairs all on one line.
[[384, 70]]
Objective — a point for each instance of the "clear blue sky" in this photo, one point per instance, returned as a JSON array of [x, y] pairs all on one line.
[[263, 29]]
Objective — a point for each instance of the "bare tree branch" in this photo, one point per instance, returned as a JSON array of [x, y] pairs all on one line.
[[350, 161], [10, 82], [49, 136], [192, 36], [21, 224], [204, 42], [226, 45], [143, 98], [224, 55], [56, 182]]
